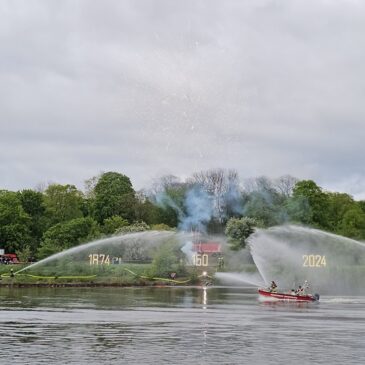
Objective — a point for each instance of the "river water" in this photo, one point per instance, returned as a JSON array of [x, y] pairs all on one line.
[[174, 325]]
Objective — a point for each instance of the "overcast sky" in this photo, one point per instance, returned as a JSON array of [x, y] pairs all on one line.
[[148, 88]]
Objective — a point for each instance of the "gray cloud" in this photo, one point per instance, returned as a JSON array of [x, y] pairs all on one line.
[[150, 87]]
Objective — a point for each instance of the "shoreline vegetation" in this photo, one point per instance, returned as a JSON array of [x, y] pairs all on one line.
[[35, 224], [144, 226], [114, 282], [91, 281], [127, 275], [103, 276]]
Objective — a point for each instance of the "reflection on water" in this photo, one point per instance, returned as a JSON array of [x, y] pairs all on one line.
[[176, 326]]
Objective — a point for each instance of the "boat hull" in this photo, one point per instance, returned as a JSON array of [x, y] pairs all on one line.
[[288, 297]]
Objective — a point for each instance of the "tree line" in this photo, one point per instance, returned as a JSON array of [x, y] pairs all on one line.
[[37, 223]]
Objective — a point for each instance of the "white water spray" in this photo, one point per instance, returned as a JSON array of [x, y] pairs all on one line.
[[293, 254], [253, 279], [126, 245]]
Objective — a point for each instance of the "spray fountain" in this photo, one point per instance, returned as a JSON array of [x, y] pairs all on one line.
[[117, 256], [292, 254], [95, 258], [287, 254]]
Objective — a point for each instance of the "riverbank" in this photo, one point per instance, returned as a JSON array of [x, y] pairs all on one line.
[[82, 285], [128, 279], [81, 275], [24, 281]]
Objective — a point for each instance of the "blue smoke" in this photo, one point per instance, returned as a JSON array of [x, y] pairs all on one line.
[[198, 210]]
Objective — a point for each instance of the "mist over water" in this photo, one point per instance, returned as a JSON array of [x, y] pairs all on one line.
[[129, 247], [232, 278], [287, 254], [292, 254]]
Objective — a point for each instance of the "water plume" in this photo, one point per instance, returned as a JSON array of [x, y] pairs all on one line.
[[131, 247], [292, 254], [252, 279]]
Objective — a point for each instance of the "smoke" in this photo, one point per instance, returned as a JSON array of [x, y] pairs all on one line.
[[196, 210], [214, 196], [198, 207], [199, 210], [233, 200], [164, 200]]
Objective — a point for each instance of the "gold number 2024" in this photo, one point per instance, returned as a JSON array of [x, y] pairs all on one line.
[[314, 261]]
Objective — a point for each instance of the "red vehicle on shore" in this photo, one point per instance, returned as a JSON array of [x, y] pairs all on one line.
[[270, 295], [9, 258]]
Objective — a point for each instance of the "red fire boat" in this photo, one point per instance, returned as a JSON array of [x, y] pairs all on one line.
[[270, 295]]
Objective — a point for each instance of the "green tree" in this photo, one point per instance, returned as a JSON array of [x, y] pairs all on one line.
[[238, 230], [114, 195], [165, 261], [161, 227], [338, 205], [169, 195], [135, 227], [24, 254], [299, 210], [152, 214], [14, 222], [266, 207], [33, 204], [361, 204], [353, 223], [65, 235], [222, 186], [112, 224], [317, 200], [62, 203], [264, 201]]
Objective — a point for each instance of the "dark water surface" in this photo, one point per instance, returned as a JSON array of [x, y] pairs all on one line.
[[176, 326]]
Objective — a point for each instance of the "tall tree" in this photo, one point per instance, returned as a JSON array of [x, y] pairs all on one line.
[[112, 224], [168, 194], [317, 200], [163, 183], [238, 230], [361, 204], [66, 235], [114, 195], [62, 203], [14, 222], [353, 223], [33, 204], [223, 186], [264, 202], [338, 205], [285, 184], [299, 210], [153, 214]]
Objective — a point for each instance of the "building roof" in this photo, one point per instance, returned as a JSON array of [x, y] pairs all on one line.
[[207, 247]]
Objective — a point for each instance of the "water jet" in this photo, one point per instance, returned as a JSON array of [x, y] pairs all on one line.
[[292, 254]]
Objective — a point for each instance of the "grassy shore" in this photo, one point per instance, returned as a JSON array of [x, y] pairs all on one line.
[[84, 275]]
